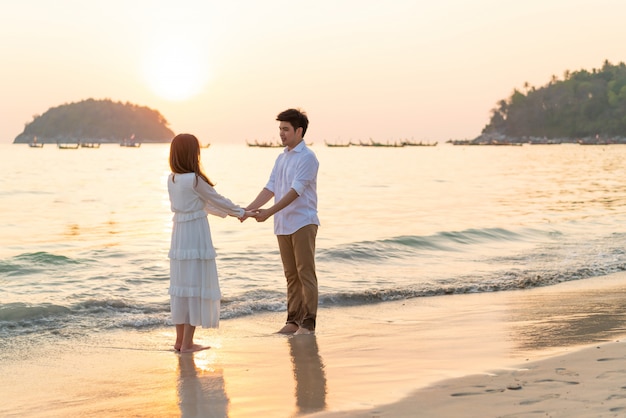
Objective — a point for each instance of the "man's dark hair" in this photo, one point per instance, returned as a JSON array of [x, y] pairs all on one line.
[[297, 118]]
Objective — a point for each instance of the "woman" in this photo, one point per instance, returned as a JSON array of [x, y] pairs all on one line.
[[194, 287]]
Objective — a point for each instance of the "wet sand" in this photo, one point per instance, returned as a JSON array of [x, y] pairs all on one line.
[[552, 351], [586, 383]]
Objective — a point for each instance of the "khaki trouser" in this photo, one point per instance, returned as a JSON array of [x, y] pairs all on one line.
[[297, 252]]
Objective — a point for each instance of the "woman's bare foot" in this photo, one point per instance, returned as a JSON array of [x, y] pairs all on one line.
[[194, 348], [176, 347], [288, 329]]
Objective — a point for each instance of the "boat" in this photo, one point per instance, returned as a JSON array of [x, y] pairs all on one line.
[[419, 144], [130, 144], [372, 143], [271, 144], [265, 144], [540, 141], [337, 144], [485, 143], [35, 144], [90, 145], [595, 141], [67, 145]]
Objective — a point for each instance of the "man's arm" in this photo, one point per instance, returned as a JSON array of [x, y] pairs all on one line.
[[251, 210], [263, 214], [264, 196]]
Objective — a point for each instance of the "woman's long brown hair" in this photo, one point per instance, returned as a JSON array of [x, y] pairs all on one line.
[[185, 156]]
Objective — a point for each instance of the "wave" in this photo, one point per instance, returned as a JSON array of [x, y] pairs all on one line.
[[408, 245], [45, 259], [98, 314], [504, 282], [388, 248], [100, 303], [20, 312], [29, 263], [21, 318]]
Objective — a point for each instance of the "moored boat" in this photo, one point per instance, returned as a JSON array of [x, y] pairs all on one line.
[[62, 145], [419, 144], [328, 144], [264, 144], [35, 144], [130, 144], [90, 145]]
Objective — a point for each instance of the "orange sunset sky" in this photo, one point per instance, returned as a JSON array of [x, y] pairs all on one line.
[[422, 70]]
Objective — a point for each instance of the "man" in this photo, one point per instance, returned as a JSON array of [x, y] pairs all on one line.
[[293, 184]]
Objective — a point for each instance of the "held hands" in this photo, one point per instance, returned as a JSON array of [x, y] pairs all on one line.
[[248, 214], [260, 215]]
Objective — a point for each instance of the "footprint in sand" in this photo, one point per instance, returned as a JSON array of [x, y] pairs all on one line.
[[611, 373], [482, 392], [540, 399], [564, 372], [565, 382]]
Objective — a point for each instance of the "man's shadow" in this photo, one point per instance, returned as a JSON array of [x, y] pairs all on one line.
[[201, 392], [308, 371]]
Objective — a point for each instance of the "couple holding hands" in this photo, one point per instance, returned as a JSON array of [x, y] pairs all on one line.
[[194, 286]]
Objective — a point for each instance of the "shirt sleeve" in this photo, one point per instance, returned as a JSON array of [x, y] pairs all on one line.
[[306, 172], [271, 183], [215, 203]]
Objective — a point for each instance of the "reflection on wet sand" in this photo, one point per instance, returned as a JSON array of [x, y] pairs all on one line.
[[565, 318], [201, 390], [308, 371]]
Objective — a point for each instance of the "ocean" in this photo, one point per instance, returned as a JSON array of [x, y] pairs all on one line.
[[84, 233]]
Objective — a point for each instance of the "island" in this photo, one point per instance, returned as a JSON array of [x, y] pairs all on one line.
[[97, 122], [584, 107]]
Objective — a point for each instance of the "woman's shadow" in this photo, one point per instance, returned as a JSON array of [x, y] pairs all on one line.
[[201, 392], [308, 371]]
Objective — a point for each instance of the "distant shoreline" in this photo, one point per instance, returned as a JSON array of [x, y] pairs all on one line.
[[88, 141], [503, 139]]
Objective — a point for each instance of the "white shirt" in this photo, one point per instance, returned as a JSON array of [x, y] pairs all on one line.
[[295, 169]]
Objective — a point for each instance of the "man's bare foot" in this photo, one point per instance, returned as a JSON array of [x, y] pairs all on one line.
[[194, 348], [304, 331], [288, 329], [177, 348]]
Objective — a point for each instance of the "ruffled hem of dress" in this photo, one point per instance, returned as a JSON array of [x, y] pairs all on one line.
[[177, 254], [187, 292]]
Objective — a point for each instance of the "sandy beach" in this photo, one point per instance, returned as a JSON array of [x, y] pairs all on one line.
[[551, 352]]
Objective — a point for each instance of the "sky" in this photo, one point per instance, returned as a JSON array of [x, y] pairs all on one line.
[[223, 70]]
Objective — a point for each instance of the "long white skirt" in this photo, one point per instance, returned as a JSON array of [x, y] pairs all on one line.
[[195, 293]]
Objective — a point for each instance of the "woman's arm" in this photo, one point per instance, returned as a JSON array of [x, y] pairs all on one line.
[[215, 203]]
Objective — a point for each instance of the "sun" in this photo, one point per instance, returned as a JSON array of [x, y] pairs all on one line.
[[176, 69]]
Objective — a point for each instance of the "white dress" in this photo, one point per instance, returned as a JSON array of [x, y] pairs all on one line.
[[194, 287]]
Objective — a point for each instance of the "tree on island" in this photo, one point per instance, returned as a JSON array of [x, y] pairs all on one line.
[[102, 121], [583, 104]]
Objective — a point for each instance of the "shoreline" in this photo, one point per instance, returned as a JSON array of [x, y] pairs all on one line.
[[385, 359]]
